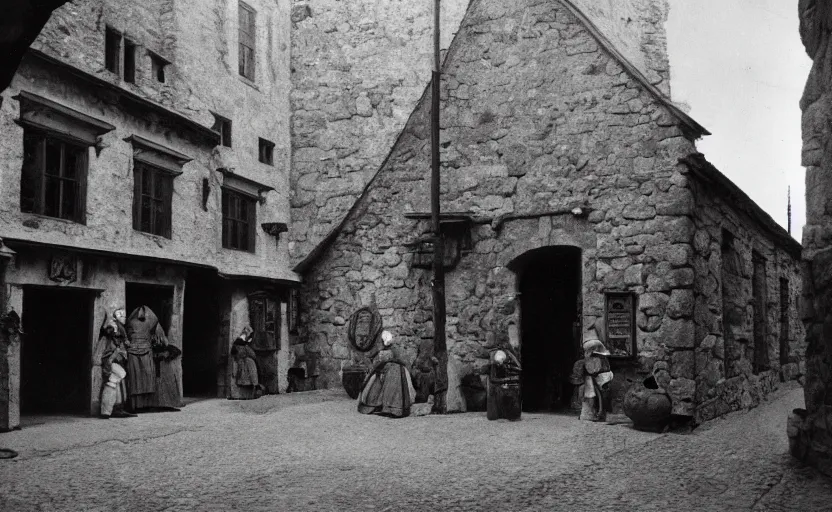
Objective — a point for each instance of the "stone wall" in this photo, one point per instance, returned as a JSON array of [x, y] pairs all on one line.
[[199, 38], [358, 70], [810, 438], [726, 243], [538, 119]]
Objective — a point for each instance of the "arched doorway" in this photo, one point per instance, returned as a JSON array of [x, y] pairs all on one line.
[[550, 290]]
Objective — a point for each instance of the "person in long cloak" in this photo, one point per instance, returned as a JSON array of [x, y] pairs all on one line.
[[111, 351], [168, 384], [141, 369], [388, 389], [245, 383]]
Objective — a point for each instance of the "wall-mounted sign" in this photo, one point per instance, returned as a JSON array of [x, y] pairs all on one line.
[[620, 324]]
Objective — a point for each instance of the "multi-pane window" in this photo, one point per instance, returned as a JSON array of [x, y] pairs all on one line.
[[152, 197], [246, 38], [266, 151], [239, 217], [223, 127], [53, 178]]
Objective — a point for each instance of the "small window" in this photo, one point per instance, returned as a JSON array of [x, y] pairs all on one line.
[[158, 65], [239, 216], [53, 178], [223, 127], [266, 151], [152, 197], [246, 38], [129, 61], [112, 50]]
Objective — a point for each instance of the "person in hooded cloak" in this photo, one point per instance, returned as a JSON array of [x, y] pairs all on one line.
[[388, 389], [141, 369], [245, 383], [593, 373], [112, 353]]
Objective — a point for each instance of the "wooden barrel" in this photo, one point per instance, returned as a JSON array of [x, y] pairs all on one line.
[[352, 378]]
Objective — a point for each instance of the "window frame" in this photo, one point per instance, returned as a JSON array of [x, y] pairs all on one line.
[[140, 170], [249, 222], [224, 127], [129, 68], [35, 172], [113, 42], [265, 151], [246, 41], [158, 65]]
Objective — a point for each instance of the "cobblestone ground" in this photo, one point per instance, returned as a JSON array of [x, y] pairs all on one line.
[[312, 451]]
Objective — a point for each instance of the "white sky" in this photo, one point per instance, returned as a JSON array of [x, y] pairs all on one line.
[[740, 66]]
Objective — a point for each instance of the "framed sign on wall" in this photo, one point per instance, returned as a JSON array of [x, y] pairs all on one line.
[[620, 322]]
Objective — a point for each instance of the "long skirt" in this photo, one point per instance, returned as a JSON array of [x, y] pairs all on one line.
[[167, 386], [387, 391], [141, 381]]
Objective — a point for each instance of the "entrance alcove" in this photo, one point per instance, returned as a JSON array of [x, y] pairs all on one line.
[[549, 285]]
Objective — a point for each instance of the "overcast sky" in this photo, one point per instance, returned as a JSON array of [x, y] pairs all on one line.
[[740, 66]]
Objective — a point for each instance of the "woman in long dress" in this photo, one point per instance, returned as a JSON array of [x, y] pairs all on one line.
[[388, 389]]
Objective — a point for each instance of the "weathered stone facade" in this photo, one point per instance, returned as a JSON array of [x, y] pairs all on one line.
[[171, 121], [358, 71], [809, 432], [551, 141]]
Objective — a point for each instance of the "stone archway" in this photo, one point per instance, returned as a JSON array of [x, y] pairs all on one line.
[[549, 286]]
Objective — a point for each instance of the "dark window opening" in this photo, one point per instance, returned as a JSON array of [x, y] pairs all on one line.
[[266, 151], [733, 307], [112, 50], [784, 321], [158, 65], [53, 178], [759, 292], [152, 197], [223, 127], [246, 38], [129, 61], [239, 217]]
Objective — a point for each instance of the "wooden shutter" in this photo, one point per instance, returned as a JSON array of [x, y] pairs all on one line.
[[252, 223], [137, 196]]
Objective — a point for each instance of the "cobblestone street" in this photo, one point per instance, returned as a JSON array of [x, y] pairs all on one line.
[[312, 451]]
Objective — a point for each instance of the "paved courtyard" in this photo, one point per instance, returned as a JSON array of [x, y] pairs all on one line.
[[312, 451]]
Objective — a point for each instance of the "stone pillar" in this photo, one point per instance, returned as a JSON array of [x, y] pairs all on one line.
[[809, 437], [9, 349]]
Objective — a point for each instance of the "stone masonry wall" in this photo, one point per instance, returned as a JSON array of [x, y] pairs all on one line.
[[722, 306], [537, 119], [200, 39], [810, 436], [358, 70]]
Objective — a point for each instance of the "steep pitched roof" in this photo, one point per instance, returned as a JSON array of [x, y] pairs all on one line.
[[691, 129]]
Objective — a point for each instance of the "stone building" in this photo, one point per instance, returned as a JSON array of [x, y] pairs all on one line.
[[810, 438], [574, 197], [144, 157]]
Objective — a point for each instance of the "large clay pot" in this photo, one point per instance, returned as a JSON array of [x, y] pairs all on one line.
[[352, 378], [648, 406]]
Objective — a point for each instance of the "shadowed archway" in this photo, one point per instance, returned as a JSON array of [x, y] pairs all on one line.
[[549, 282]]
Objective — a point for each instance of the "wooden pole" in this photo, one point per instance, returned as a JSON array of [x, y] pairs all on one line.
[[440, 349]]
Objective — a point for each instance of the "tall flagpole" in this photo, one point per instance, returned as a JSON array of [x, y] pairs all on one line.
[[789, 210], [440, 349]]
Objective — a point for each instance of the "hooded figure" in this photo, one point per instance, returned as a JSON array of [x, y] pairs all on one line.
[[388, 389], [593, 372]]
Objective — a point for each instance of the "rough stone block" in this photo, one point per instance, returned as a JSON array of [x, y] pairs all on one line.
[[680, 304], [681, 393], [677, 333], [633, 275], [682, 364]]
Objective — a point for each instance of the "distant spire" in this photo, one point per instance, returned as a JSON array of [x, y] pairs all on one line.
[[789, 210]]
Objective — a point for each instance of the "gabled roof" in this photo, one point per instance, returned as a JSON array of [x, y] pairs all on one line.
[[691, 129]]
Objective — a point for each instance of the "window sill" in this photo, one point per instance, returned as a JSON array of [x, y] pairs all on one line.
[[248, 82], [244, 251], [156, 238], [40, 216]]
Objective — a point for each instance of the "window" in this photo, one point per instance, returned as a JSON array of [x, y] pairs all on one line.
[[129, 62], [246, 41], [267, 151], [152, 197], [112, 50], [53, 178], [157, 65], [119, 55], [264, 318], [223, 127], [239, 216]]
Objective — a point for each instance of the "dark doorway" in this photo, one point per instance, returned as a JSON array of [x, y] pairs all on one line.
[[158, 298], [200, 334], [55, 359], [550, 285]]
